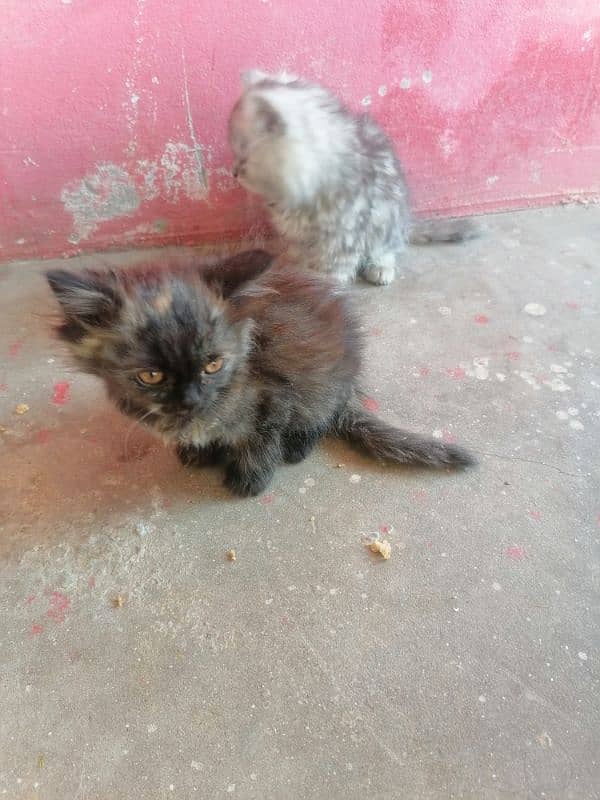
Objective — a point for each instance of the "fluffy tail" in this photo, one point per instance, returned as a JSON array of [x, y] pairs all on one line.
[[394, 444], [430, 231]]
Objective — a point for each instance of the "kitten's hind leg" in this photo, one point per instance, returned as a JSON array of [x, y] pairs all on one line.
[[296, 445], [381, 268]]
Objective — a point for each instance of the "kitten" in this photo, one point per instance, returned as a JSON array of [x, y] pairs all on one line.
[[249, 372], [331, 179]]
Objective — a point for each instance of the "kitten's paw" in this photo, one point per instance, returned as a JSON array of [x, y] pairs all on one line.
[[379, 275], [246, 484]]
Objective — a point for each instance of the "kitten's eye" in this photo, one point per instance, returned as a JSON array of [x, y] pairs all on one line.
[[151, 377], [213, 366]]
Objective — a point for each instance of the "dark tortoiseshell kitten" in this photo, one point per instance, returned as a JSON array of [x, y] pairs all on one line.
[[236, 363]]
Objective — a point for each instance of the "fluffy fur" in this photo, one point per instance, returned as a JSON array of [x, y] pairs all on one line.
[[330, 178], [290, 349]]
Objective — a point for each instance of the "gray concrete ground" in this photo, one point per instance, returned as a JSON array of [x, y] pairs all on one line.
[[137, 662]]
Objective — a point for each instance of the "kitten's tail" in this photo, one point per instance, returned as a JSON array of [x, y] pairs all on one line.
[[383, 441], [431, 231]]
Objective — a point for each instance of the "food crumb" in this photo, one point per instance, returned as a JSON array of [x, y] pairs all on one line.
[[230, 555], [118, 601], [381, 546], [21, 409]]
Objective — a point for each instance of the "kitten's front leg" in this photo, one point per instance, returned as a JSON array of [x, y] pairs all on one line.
[[381, 269], [252, 465]]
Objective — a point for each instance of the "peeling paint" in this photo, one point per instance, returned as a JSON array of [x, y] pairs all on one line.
[[181, 172], [105, 194]]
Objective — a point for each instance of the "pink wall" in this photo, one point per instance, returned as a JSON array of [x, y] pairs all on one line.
[[113, 113]]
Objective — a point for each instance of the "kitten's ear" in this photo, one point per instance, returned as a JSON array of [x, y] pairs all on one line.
[[253, 76], [91, 299], [266, 118]]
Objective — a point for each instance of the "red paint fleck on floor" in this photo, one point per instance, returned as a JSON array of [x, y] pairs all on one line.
[[535, 515], [3, 387], [449, 437], [59, 604], [15, 349], [29, 599], [376, 331], [92, 582], [370, 404], [553, 348], [42, 436], [267, 499], [36, 629], [481, 319], [513, 355], [385, 529], [61, 393], [574, 306], [457, 373], [515, 552], [424, 372]]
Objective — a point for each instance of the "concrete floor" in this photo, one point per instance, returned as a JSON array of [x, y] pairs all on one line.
[[137, 662]]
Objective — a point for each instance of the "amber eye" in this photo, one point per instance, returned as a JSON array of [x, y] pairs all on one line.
[[213, 366], [151, 377]]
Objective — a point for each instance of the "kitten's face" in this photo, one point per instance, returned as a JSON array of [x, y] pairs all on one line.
[[257, 139], [165, 348], [285, 135]]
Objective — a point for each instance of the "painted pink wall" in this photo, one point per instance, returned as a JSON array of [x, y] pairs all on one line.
[[113, 113]]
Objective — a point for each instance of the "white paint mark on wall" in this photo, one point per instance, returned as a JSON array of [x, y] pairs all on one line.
[[183, 172], [105, 194], [576, 424], [491, 180], [427, 76], [366, 101], [557, 368], [201, 176], [382, 91], [405, 83], [587, 35]]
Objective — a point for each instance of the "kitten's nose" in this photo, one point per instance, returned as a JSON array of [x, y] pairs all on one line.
[[235, 171], [191, 397]]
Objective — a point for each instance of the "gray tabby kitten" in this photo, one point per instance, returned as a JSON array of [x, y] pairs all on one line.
[[332, 182]]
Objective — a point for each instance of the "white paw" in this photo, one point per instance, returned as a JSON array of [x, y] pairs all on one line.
[[380, 276]]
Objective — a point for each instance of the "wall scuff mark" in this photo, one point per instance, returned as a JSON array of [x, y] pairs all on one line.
[[105, 194]]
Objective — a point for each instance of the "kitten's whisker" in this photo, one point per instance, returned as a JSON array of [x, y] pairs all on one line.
[[136, 422]]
